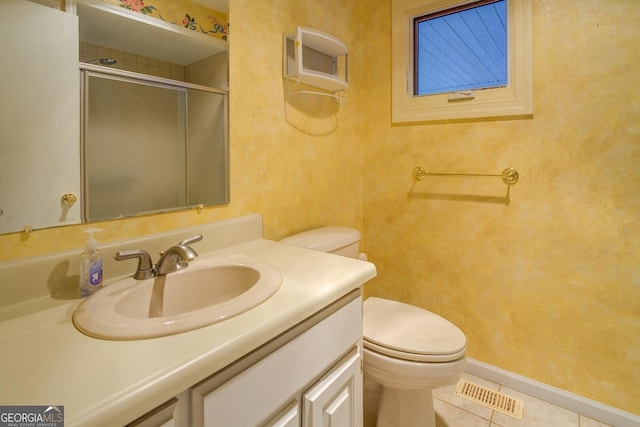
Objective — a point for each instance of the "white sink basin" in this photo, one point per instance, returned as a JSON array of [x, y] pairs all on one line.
[[207, 291]]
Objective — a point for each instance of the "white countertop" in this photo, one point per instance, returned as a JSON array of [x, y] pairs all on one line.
[[45, 360]]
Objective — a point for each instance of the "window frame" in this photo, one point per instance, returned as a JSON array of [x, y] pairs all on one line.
[[516, 99]]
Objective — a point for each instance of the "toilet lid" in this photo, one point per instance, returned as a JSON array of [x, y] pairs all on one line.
[[411, 333]]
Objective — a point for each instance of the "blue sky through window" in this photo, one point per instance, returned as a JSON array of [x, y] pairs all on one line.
[[462, 50]]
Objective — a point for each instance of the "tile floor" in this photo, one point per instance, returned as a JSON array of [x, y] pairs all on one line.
[[454, 411]]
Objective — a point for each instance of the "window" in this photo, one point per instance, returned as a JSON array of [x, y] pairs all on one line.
[[461, 49], [455, 59]]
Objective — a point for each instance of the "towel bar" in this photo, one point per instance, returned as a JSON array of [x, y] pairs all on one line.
[[509, 176]]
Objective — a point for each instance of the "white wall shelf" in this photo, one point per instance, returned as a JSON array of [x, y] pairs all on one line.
[[315, 58], [117, 28]]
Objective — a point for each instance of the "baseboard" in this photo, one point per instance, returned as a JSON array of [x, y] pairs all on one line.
[[573, 402]]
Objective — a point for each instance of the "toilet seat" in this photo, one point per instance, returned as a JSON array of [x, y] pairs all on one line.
[[411, 333]]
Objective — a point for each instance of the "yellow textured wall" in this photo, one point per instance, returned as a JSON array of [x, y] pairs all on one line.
[[548, 285]]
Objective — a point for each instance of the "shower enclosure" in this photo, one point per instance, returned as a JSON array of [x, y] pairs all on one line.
[[150, 145]]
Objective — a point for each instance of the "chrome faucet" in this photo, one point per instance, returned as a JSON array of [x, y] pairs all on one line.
[[173, 259]]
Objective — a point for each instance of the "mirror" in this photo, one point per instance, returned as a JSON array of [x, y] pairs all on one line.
[[40, 126]]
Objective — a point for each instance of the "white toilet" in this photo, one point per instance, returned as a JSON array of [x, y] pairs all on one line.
[[409, 351]]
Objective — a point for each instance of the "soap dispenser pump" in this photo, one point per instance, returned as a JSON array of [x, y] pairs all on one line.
[[90, 265]]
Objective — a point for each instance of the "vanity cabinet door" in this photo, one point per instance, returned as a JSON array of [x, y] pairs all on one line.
[[337, 399], [269, 392], [173, 413], [162, 416], [289, 417]]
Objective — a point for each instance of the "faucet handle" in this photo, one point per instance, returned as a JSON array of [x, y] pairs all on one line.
[[186, 242], [191, 240], [145, 268]]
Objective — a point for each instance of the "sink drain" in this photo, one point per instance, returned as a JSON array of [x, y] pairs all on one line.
[[491, 399]]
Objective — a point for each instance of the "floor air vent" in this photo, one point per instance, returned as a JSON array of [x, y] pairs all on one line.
[[489, 398]]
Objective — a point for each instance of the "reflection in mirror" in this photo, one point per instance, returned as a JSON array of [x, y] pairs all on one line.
[[40, 92], [150, 145]]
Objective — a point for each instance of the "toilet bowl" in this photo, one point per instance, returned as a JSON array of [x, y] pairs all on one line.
[[408, 350]]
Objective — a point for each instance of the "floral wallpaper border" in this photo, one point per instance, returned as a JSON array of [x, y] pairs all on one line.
[[183, 13]]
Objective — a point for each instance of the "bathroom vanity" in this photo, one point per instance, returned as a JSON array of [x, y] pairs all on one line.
[[295, 359], [309, 374]]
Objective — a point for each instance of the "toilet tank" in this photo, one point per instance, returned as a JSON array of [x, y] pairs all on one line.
[[343, 241]]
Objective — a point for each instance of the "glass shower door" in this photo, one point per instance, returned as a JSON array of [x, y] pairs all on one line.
[[134, 148]]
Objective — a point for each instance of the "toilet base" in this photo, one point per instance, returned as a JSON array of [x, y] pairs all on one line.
[[406, 408]]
